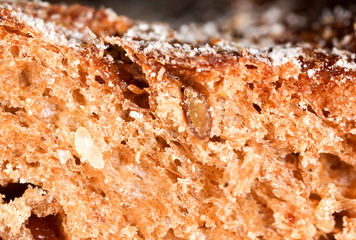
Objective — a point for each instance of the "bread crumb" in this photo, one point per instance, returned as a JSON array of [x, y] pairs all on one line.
[[311, 73], [129, 232], [135, 114], [138, 157], [13, 173], [181, 129], [64, 156]]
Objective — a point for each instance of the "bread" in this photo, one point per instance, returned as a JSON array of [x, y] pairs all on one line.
[[115, 129]]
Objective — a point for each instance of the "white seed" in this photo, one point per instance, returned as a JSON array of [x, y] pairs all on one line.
[[95, 157], [86, 148], [83, 140]]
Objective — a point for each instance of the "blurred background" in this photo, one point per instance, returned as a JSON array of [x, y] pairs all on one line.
[[186, 11], [173, 12]]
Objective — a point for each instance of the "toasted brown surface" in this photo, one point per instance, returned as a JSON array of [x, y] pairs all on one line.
[[113, 129]]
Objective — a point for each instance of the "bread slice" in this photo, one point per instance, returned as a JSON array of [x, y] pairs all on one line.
[[113, 129]]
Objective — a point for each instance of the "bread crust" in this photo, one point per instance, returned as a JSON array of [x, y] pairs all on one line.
[[276, 162]]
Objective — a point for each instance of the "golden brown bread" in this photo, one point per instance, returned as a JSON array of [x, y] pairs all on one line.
[[126, 132]]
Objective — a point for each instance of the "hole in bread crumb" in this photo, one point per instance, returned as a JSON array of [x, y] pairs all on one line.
[[152, 116], [325, 113], [310, 109], [76, 160], [292, 158], [315, 197], [33, 164], [24, 124], [4, 164], [12, 110], [49, 227], [251, 86], [332, 161], [117, 53], [13, 190], [162, 143], [338, 216], [15, 51], [65, 62], [183, 210], [257, 107], [250, 66], [46, 92], [328, 236], [82, 76], [217, 139], [298, 175], [123, 142], [218, 82], [240, 154], [78, 97], [141, 100], [99, 79], [173, 175], [177, 162], [130, 72], [278, 84], [341, 173], [94, 115], [182, 89], [25, 77]]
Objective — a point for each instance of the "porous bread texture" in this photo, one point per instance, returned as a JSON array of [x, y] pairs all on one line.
[[276, 162]]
